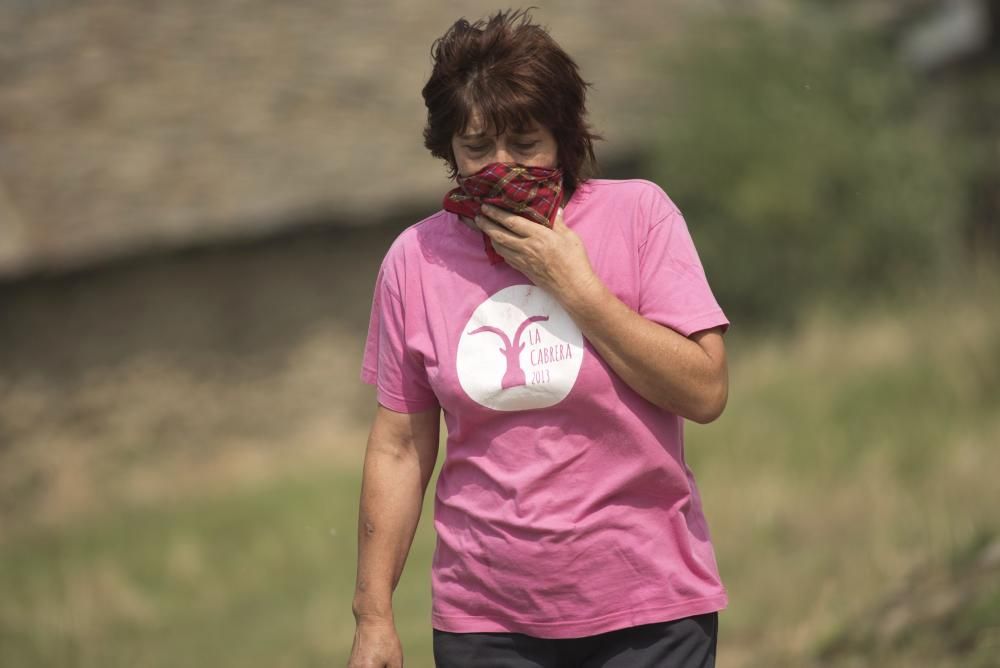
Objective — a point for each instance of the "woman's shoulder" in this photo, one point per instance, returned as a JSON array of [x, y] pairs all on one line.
[[410, 241], [622, 185], [616, 188], [643, 194]]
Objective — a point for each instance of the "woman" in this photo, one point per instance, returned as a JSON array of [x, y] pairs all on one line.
[[565, 334]]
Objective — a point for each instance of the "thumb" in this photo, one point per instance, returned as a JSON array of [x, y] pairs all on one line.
[[558, 224]]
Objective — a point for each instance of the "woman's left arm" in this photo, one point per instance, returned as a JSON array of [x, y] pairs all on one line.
[[687, 376]]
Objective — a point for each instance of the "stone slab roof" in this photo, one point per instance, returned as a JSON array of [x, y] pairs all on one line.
[[127, 127]]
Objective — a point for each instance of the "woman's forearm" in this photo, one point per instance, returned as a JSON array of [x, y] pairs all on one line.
[[684, 376], [394, 481]]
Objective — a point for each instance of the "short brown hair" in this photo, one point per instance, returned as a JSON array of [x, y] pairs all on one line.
[[511, 71]]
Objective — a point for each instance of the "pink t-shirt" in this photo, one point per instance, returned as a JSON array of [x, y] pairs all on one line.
[[564, 507]]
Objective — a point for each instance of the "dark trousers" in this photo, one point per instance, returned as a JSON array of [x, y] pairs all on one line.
[[681, 643]]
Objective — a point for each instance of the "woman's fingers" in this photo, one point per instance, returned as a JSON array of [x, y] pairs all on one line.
[[513, 222]]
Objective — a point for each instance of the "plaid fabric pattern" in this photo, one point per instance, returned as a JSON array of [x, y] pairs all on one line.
[[532, 192]]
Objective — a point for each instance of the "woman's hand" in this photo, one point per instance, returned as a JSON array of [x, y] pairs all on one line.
[[554, 259], [685, 375], [376, 645]]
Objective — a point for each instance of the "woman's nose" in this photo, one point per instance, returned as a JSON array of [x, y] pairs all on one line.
[[503, 155]]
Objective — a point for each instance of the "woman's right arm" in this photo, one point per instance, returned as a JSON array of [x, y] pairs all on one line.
[[399, 460]]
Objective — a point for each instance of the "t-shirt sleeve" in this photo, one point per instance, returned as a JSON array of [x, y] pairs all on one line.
[[673, 289], [389, 364]]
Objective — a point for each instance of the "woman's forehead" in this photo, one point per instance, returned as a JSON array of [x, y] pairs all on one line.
[[476, 127]]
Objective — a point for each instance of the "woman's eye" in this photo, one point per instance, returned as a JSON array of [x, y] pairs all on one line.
[[477, 149], [526, 146]]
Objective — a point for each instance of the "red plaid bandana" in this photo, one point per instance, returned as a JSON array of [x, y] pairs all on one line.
[[532, 192]]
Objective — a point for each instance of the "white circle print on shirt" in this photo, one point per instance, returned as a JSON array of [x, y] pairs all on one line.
[[519, 350]]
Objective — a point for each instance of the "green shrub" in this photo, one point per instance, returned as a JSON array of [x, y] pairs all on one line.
[[799, 156]]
